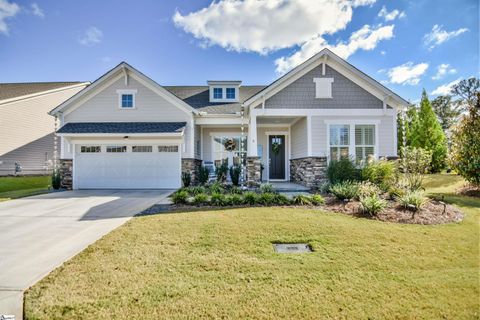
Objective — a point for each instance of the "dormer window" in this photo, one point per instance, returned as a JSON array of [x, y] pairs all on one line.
[[230, 93], [218, 93], [126, 99]]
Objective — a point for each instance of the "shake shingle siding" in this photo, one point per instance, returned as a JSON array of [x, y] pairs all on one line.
[[345, 94]]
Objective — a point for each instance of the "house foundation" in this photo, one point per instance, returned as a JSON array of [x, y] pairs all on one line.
[[66, 169], [192, 166], [308, 171], [253, 171]]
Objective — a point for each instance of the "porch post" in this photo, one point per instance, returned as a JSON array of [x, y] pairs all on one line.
[[253, 161], [252, 136]]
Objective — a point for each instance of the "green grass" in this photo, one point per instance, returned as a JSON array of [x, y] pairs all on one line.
[[220, 264], [17, 187]]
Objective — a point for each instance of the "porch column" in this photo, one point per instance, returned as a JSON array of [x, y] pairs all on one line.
[[252, 137]]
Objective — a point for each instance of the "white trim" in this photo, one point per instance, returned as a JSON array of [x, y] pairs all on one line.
[[309, 136], [287, 158], [166, 134], [273, 125], [41, 93], [252, 142], [353, 121], [74, 163], [218, 121], [201, 143], [395, 135], [121, 92], [277, 133], [320, 112], [323, 82]]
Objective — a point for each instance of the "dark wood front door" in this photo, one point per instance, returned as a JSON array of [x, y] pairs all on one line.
[[276, 152]]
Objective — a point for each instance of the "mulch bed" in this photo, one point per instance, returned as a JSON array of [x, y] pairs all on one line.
[[433, 212], [469, 191]]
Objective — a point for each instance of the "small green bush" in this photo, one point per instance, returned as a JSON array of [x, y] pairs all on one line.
[[367, 189], [345, 190], [324, 187], [180, 197], [196, 190], [235, 199], [216, 187], [413, 200], [221, 172], [250, 198], [342, 170], [317, 199], [186, 179], [235, 190], [373, 204], [200, 198], [203, 174], [281, 200], [56, 179], [414, 160], [266, 199], [235, 172], [218, 199], [267, 188], [302, 200], [379, 172]]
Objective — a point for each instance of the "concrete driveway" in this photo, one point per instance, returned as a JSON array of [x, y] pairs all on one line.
[[37, 234]]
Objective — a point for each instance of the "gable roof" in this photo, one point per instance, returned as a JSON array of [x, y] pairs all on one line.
[[328, 57], [125, 67], [15, 90], [198, 97], [122, 127]]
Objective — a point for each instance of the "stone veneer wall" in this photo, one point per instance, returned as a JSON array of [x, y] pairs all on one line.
[[192, 166], [66, 168], [253, 171], [309, 171]]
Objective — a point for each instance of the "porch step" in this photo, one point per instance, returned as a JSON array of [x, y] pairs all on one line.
[[289, 187]]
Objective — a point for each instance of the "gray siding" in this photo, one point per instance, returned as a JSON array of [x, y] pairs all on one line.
[[345, 94], [299, 139]]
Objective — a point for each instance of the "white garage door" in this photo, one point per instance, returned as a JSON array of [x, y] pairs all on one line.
[[127, 167]]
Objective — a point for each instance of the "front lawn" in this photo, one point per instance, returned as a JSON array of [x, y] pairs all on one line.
[[17, 187], [221, 264]]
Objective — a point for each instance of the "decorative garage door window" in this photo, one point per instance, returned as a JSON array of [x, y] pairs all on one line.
[[90, 149], [116, 149], [229, 149], [339, 141], [142, 149], [167, 148]]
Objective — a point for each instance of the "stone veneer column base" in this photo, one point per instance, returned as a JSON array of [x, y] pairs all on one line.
[[192, 166], [308, 171], [253, 171], [66, 169]]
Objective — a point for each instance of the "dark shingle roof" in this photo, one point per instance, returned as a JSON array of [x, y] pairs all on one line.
[[13, 90], [122, 127], [197, 97]]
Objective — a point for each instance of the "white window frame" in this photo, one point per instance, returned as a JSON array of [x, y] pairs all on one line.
[[234, 93], [121, 92], [352, 123], [365, 145], [142, 146], [222, 135], [339, 146], [224, 93]]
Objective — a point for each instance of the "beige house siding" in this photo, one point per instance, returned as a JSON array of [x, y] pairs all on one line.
[[26, 129], [207, 151], [149, 106], [299, 139]]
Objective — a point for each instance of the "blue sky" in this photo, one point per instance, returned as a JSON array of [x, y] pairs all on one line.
[[407, 45]]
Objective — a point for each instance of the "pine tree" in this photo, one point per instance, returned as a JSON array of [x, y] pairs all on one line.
[[427, 133]]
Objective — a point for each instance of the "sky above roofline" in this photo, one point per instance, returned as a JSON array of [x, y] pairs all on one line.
[[405, 45]]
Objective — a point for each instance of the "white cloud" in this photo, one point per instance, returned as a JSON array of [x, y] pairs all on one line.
[[444, 89], [7, 10], [442, 70], [37, 11], [365, 38], [407, 73], [383, 52], [438, 36], [91, 37], [392, 15], [266, 26]]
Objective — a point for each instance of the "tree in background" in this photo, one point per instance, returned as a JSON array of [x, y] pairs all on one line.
[[446, 111], [426, 133], [466, 92], [410, 122]]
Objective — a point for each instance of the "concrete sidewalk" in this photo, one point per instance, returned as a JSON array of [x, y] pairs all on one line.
[[37, 234]]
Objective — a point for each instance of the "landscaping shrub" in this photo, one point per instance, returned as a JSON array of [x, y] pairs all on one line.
[[221, 172], [180, 197], [200, 198], [218, 199], [267, 188], [373, 204], [414, 181], [342, 170], [195, 190], [250, 198], [302, 200], [414, 160], [203, 174], [324, 187], [366, 189], [266, 198], [236, 190], [56, 179], [379, 172], [317, 199], [281, 200], [186, 179], [235, 174], [234, 199], [216, 187], [345, 190], [413, 200]]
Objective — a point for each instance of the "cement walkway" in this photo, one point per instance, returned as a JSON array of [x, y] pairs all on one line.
[[37, 234]]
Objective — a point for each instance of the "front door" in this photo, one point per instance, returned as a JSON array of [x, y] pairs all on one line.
[[276, 152]]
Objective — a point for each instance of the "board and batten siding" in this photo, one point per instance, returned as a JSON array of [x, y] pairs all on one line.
[[345, 94], [386, 133], [299, 142], [149, 107]]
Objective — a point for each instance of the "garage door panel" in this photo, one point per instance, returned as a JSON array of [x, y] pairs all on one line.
[[127, 170]]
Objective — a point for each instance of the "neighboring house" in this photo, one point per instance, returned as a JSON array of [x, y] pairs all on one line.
[[26, 129], [127, 131]]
